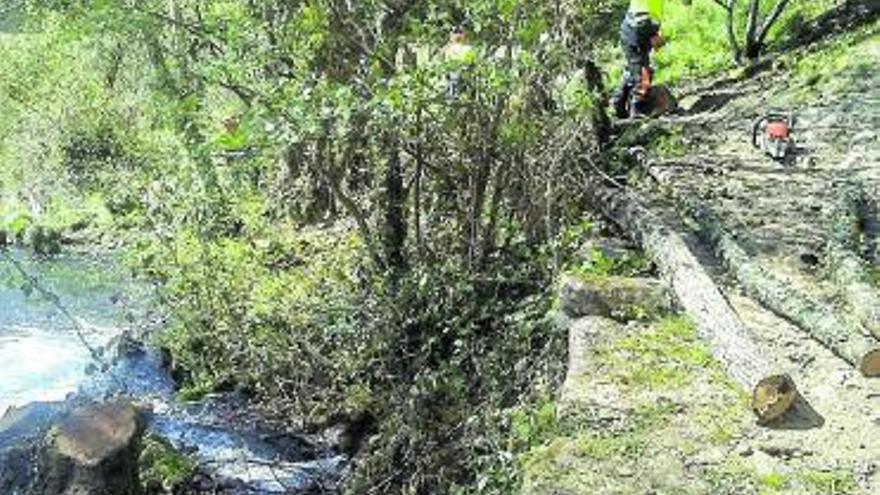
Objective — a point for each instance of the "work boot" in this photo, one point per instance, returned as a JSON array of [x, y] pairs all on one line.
[[620, 99]]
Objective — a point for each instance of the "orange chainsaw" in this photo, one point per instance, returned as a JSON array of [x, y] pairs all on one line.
[[772, 133]]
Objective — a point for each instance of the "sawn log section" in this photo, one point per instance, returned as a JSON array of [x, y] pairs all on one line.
[[812, 316], [731, 343]]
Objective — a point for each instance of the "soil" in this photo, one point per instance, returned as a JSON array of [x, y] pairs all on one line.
[[628, 429]]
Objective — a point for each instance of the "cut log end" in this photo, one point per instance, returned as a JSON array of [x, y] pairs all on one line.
[[773, 397], [96, 433], [870, 366]]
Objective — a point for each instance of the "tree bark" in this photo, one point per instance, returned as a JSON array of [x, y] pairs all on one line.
[[845, 266], [824, 326], [735, 49], [770, 21], [395, 216], [93, 451], [731, 343], [752, 49]]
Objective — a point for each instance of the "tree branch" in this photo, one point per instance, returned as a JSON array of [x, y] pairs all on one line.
[[774, 16]]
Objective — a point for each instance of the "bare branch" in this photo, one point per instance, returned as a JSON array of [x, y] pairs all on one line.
[[774, 16], [728, 6]]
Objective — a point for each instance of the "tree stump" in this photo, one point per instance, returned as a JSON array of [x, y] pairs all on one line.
[[92, 452]]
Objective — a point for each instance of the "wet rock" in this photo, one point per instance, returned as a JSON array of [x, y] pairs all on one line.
[[21, 433], [92, 452], [616, 297]]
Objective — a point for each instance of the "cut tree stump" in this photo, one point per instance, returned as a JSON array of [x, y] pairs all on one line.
[[826, 327], [731, 343], [92, 452], [845, 266]]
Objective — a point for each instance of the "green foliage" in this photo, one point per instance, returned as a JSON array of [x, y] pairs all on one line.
[[161, 469], [598, 265], [698, 44], [333, 230], [829, 482], [532, 426], [772, 483], [667, 356]]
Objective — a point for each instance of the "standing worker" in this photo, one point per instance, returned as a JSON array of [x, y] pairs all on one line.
[[459, 55], [639, 34]]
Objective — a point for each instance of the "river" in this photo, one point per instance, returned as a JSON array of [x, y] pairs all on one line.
[[43, 359], [41, 356]]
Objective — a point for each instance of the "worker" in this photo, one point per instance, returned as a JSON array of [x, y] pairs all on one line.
[[458, 54], [640, 35]]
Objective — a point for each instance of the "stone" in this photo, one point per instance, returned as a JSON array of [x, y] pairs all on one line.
[[615, 297], [21, 432]]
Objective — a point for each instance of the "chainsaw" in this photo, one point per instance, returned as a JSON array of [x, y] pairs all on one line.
[[772, 134]]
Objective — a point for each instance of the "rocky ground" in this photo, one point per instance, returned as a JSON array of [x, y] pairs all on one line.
[[645, 409]]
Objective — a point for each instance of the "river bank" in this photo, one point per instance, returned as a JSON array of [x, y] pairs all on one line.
[[48, 373]]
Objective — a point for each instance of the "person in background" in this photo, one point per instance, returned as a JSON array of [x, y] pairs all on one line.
[[458, 54], [640, 35]]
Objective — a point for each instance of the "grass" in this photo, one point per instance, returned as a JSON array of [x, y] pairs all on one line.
[[772, 483], [843, 65], [698, 46], [829, 482], [668, 355]]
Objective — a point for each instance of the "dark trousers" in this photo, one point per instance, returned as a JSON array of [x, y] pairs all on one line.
[[635, 36]]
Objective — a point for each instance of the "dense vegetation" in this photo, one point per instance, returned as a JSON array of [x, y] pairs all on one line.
[[332, 231]]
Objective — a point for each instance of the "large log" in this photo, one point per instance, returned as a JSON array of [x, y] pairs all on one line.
[[826, 327], [731, 343], [845, 266]]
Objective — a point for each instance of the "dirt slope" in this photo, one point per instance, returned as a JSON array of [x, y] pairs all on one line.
[[630, 426]]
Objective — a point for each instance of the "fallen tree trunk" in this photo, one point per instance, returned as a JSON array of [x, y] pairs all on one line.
[[730, 342], [845, 266], [825, 327]]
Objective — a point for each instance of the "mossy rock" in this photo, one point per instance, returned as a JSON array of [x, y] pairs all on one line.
[[620, 298]]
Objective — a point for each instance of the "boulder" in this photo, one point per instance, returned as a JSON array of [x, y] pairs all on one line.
[[93, 451], [615, 297]]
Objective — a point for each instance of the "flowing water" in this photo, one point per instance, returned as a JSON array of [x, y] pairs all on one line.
[[44, 359], [41, 356]]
